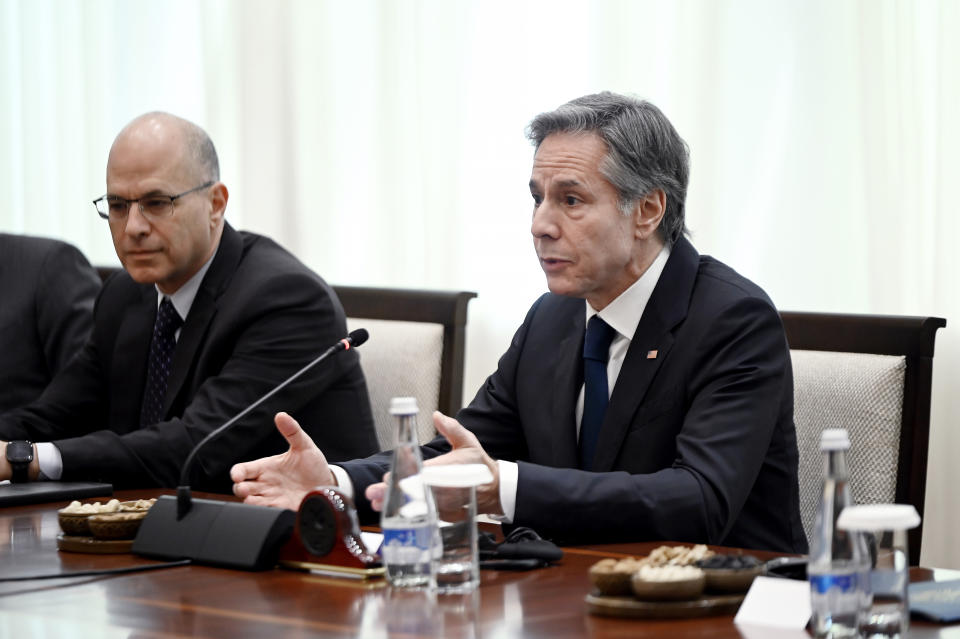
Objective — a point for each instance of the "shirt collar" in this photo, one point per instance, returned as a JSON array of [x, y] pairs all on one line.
[[624, 312], [182, 298]]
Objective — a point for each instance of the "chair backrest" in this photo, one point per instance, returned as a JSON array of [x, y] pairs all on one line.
[[870, 374], [416, 348]]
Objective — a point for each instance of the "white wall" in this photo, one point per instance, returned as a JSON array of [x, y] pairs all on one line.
[[383, 142]]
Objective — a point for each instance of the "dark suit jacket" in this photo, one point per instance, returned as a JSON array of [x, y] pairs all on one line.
[[259, 316], [698, 443], [47, 289]]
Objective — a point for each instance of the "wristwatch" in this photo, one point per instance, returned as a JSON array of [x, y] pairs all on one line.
[[19, 454]]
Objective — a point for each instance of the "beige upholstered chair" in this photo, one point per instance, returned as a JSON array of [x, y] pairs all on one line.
[[401, 359], [869, 374], [416, 348]]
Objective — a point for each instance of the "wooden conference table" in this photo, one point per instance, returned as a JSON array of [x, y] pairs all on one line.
[[199, 601]]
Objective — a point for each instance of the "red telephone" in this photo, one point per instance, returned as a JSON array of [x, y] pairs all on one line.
[[326, 538]]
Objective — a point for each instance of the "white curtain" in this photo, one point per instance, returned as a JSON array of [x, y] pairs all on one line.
[[382, 142]]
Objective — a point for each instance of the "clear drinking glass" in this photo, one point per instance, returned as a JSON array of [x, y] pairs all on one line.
[[887, 612], [456, 564]]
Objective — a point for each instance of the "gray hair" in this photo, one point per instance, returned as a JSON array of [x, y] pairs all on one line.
[[200, 148], [644, 151]]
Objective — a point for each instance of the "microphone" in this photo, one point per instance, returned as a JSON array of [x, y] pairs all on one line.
[[184, 501], [230, 534]]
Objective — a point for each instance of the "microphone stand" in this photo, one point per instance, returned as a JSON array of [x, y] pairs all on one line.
[[230, 534], [184, 499]]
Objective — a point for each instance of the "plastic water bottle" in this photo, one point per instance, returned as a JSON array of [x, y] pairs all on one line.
[[838, 566], [409, 516]]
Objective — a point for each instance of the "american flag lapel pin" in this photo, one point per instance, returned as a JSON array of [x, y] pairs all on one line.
[[652, 354]]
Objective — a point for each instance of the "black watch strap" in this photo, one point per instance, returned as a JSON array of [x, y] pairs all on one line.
[[19, 455]]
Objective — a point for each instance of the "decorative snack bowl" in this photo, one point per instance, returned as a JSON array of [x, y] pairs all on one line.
[[120, 525], [667, 583], [611, 577], [73, 518], [76, 524], [730, 573], [729, 580]]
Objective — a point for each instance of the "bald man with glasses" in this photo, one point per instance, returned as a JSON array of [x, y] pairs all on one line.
[[202, 321]]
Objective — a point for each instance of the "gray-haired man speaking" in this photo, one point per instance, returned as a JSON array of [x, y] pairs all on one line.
[[647, 396]]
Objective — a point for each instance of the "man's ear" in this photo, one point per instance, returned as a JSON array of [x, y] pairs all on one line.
[[649, 213], [218, 201]]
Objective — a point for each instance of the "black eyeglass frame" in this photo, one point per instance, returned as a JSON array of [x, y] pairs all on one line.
[[127, 203]]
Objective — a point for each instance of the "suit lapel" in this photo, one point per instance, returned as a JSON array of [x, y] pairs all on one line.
[[202, 312], [131, 350], [666, 308]]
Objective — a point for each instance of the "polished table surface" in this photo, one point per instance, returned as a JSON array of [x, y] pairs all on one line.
[[199, 601]]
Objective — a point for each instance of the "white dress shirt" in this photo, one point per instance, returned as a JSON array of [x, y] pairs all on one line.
[[48, 455]]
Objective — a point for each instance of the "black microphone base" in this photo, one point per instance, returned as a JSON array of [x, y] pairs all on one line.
[[218, 533]]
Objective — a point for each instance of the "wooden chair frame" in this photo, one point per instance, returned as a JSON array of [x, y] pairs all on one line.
[[910, 337]]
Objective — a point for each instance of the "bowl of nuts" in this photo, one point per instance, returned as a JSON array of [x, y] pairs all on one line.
[[667, 583], [611, 577], [119, 525], [75, 518], [730, 573]]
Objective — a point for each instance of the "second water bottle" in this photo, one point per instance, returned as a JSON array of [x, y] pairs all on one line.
[[838, 566], [409, 518]]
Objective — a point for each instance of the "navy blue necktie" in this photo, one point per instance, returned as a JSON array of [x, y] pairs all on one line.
[[161, 358], [596, 395]]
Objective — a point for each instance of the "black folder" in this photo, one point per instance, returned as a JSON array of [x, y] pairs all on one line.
[[37, 492]]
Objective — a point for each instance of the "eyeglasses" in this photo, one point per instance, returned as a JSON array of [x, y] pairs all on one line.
[[153, 207]]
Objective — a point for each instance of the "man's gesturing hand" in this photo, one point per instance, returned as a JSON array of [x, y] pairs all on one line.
[[466, 450], [283, 480]]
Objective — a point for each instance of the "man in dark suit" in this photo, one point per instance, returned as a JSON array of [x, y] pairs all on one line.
[[659, 409], [47, 289], [202, 322]]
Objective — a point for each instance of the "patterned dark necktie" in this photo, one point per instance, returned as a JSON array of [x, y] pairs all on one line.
[[161, 358], [596, 396]]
